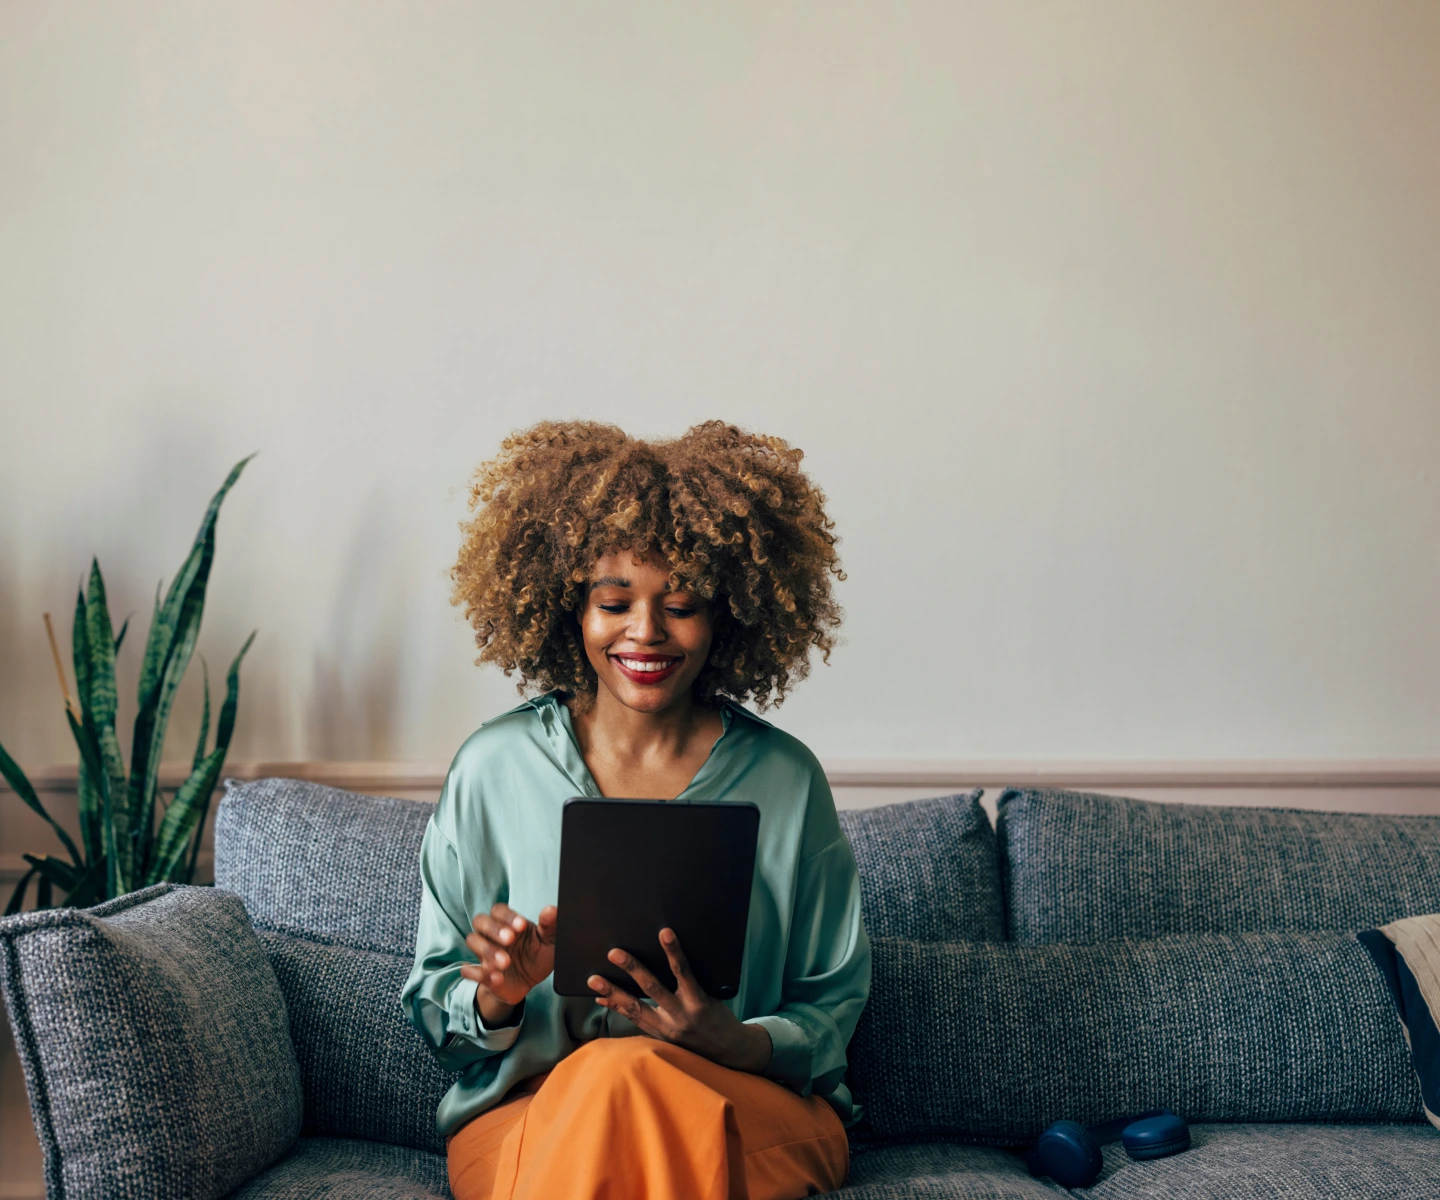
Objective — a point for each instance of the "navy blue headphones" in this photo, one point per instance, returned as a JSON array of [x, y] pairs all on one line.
[[1069, 1153]]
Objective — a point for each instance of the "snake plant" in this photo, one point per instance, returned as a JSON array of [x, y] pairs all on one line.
[[130, 834]]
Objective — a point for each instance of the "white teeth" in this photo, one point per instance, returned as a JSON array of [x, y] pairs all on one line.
[[637, 664]]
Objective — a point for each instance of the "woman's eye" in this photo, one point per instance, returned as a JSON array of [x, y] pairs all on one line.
[[613, 608], [681, 612]]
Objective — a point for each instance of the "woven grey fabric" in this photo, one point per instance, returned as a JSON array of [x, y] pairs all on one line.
[[928, 869], [154, 1042], [348, 1169], [940, 1171], [995, 1041], [1085, 868], [365, 1072], [1282, 1162], [318, 860]]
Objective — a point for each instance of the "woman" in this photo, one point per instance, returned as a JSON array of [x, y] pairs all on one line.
[[645, 588]]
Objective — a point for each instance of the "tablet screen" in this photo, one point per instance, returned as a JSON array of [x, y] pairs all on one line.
[[629, 868]]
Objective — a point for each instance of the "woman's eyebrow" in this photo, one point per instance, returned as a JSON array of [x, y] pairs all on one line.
[[610, 581]]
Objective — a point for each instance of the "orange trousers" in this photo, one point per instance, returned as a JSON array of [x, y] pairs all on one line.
[[638, 1119]]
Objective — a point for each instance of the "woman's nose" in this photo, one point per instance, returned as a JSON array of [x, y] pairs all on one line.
[[646, 625]]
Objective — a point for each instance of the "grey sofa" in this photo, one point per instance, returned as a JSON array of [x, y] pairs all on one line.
[[1092, 956]]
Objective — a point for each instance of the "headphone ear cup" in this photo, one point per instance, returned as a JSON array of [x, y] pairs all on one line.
[[1068, 1154], [1156, 1137]]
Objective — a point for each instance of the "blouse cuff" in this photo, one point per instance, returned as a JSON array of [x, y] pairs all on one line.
[[790, 1054], [466, 1021]]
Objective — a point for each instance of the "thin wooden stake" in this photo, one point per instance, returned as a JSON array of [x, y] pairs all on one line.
[[60, 671]]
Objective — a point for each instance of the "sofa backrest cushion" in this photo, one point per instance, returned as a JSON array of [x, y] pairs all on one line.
[[364, 1071], [331, 880], [993, 1041], [320, 861], [928, 869], [1086, 868], [154, 1041]]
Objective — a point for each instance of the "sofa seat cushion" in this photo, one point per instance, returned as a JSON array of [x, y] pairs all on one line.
[[928, 869], [985, 1040], [1293, 1162], [1087, 868], [941, 1171], [350, 1169]]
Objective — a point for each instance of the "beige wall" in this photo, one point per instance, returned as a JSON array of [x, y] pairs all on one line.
[[1110, 329]]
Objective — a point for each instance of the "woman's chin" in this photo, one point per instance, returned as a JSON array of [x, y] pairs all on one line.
[[646, 697]]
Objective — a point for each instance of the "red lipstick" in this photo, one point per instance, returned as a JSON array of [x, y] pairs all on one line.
[[645, 678]]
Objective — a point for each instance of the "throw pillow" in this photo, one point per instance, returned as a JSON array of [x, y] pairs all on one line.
[[154, 1042], [928, 869], [1408, 955]]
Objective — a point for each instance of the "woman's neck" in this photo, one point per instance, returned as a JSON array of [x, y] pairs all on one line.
[[645, 754]]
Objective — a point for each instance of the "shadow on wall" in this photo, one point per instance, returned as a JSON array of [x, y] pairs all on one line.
[[354, 710]]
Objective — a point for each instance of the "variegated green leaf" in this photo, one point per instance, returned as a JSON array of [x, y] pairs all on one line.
[[223, 731], [204, 718], [127, 867], [17, 897], [226, 726], [87, 794], [88, 889], [100, 697], [88, 743], [21, 786], [173, 633], [60, 874], [182, 817], [80, 648]]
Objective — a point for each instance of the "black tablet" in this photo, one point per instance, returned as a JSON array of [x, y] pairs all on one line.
[[629, 868]]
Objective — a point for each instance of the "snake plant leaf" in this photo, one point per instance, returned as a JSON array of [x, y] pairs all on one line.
[[87, 793], [223, 731], [44, 893], [88, 888], [100, 716], [173, 633], [88, 786], [120, 637], [226, 726], [89, 746], [182, 817], [128, 866], [17, 897], [100, 698], [21, 786], [80, 648], [204, 718], [62, 875]]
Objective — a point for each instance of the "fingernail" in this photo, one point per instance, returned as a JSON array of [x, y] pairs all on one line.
[[616, 956]]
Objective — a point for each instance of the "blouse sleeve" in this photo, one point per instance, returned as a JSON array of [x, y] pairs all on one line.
[[827, 965], [439, 1001]]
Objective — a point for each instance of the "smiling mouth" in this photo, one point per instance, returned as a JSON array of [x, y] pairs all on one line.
[[645, 668]]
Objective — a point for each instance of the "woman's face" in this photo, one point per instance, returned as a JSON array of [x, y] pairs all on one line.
[[646, 643]]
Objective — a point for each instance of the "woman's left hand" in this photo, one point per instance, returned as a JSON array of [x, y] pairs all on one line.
[[688, 1016]]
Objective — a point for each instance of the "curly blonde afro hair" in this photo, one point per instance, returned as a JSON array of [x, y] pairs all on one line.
[[731, 512]]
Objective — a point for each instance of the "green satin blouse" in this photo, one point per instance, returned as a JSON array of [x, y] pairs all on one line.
[[495, 836]]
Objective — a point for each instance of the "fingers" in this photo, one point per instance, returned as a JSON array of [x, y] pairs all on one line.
[[502, 924], [546, 923], [686, 985], [641, 974], [621, 1001]]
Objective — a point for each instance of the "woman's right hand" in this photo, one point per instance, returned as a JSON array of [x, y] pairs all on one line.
[[514, 955]]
